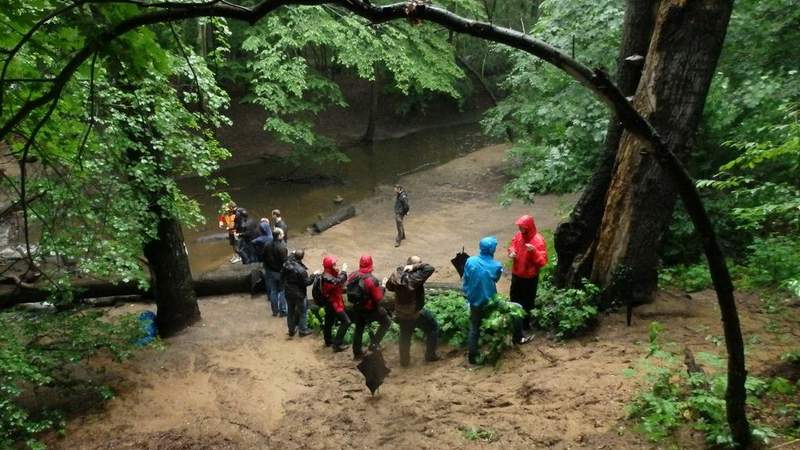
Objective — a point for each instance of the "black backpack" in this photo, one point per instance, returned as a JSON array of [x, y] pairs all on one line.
[[316, 292], [356, 293]]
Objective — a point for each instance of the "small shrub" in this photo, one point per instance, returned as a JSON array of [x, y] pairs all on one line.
[[691, 278], [566, 312], [772, 262], [674, 397], [37, 349]]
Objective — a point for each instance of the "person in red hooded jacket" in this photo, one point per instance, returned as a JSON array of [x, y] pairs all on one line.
[[333, 282], [529, 254], [365, 292]]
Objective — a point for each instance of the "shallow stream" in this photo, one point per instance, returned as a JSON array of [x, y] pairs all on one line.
[[301, 204]]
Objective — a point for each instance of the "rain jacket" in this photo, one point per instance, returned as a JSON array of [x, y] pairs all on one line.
[[262, 240], [528, 262], [409, 290], [372, 287], [481, 274], [275, 254], [333, 282], [296, 278], [401, 203]]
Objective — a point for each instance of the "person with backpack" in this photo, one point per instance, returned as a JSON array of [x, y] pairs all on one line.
[[401, 209], [296, 281], [275, 255], [332, 284], [365, 293], [528, 253], [479, 282], [408, 284]]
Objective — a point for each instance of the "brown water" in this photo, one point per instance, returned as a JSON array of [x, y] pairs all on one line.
[[301, 204]]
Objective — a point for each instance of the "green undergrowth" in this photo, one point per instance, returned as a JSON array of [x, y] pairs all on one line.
[[452, 314], [672, 398], [41, 349]]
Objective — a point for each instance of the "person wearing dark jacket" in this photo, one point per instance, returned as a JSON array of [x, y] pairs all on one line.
[[408, 284], [278, 222], [334, 279], [296, 282], [264, 238], [246, 230], [401, 208], [275, 255], [367, 309]]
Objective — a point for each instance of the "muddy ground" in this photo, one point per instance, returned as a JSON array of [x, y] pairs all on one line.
[[236, 381]]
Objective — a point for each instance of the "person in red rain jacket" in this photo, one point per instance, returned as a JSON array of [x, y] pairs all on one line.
[[366, 308], [333, 282], [529, 254]]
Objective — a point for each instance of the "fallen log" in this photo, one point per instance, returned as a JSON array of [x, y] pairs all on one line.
[[209, 284], [336, 218], [212, 237], [102, 293]]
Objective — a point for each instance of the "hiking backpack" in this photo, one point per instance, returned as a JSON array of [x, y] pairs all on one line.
[[356, 293], [316, 292]]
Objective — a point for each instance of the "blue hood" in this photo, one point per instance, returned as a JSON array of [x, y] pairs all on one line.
[[488, 245], [481, 274]]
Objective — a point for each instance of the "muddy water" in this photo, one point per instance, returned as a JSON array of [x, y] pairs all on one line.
[[301, 203]]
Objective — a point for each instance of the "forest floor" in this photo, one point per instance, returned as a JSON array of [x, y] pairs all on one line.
[[237, 381]]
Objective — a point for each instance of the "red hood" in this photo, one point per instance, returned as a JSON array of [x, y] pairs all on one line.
[[527, 224], [327, 264], [365, 264]]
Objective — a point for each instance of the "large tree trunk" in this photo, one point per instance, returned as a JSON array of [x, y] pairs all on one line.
[[171, 278], [680, 64], [575, 239], [369, 133]]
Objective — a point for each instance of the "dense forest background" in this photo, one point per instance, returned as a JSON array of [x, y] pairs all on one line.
[[93, 175]]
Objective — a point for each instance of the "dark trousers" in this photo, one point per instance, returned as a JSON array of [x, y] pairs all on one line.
[[332, 316], [425, 322], [401, 231], [363, 318], [296, 316], [476, 316], [523, 291]]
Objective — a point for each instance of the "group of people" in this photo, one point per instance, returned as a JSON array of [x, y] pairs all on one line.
[[287, 279]]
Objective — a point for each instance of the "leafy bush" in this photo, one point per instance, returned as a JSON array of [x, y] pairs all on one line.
[[452, 314], [691, 278], [38, 349], [567, 312], [772, 262], [675, 397]]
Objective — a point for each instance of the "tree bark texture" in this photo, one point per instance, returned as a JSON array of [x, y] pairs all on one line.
[[681, 62], [576, 238], [171, 279], [374, 87]]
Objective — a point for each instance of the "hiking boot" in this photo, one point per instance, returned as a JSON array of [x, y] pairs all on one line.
[[328, 344], [433, 358], [397, 244], [304, 333], [290, 334], [235, 259], [339, 348]]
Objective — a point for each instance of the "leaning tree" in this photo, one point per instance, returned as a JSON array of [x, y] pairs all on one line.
[[649, 143]]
